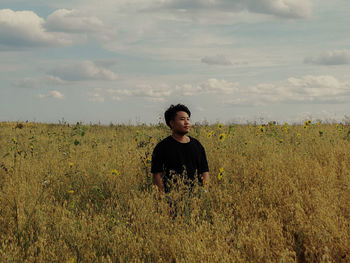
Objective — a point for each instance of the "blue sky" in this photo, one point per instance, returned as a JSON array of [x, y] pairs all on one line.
[[127, 61]]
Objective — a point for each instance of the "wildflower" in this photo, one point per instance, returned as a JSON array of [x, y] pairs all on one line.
[[71, 192], [219, 125], [115, 172], [320, 132], [221, 173], [115, 135], [261, 129], [30, 124], [250, 126], [222, 137], [14, 140], [71, 260], [70, 164], [286, 130], [285, 124], [309, 122], [298, 135], [148, 161], [31, 147], [281, 140], [210, 134], [305, 127], [318, 123]]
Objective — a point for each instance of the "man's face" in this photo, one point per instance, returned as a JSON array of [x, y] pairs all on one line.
[[181, 123]]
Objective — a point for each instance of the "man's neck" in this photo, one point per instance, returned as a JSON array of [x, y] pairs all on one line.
[[181, 137]]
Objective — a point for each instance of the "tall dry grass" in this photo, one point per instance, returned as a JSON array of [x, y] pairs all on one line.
[[84, 194]]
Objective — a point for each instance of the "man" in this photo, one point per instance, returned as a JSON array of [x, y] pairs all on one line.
[[178, 154]]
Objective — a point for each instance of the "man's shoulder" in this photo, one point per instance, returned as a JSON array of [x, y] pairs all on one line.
[[196, 141], [163, 142]]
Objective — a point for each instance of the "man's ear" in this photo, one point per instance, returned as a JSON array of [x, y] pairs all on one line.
[[171, 124]]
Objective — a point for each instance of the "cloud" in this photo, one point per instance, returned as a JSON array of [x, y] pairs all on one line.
[[20, 29], [336, 57], [53, 94], [84, 70], [279, 8], [96, 96], [76, 22], [39, 82], [25, 29], [150, 92], [160, 92], [216, 60], [211, 86], [64, 20], [308, 89]]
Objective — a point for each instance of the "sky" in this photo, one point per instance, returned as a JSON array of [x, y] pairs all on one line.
[[127, 61]]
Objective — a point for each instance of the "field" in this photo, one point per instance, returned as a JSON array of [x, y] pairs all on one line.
[[84, 193]]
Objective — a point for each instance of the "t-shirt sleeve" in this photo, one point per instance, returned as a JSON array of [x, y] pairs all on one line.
[[157, 160], [204, 163]]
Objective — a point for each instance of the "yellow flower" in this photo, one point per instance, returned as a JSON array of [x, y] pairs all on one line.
[[31, 147], [318, 123], [71, 260], [219, 125], [222, 137], [70, 164], [210, 134], [250, 126], [298, 135], [285, 124], [309, 122], [305, 127], [115, 135], [261, 129], [70, 192], [148, 161], [115, 172], [286, 130], [281, 140], [221, 173]]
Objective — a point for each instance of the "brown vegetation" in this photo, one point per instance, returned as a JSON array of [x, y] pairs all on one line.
[[78, 193]]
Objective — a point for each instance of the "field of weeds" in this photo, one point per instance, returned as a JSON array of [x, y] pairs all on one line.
[[84, 193]]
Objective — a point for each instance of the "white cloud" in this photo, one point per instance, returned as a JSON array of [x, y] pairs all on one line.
[[336, 57], [63, 20], [84, 70], [211, 86], [216, 60], [158, 92], [25, 29], [39, 82], [53, 94], [76, 21], [280, 8], [96, 96], [20, 29], [308, 89]]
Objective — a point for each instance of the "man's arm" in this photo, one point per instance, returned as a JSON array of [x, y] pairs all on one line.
[[157, 180], [205, 178]]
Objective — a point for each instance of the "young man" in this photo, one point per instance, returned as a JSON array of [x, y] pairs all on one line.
[[178, 152]]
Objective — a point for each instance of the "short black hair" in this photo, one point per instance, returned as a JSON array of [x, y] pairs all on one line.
[[170, 113]]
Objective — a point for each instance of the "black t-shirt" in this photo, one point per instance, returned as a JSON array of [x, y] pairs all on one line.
[[171, 156]]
